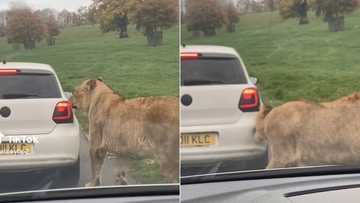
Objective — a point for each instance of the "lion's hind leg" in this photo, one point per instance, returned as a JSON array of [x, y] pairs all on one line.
[[97, 156]]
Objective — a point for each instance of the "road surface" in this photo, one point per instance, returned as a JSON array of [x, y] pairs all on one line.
[[23, 182]]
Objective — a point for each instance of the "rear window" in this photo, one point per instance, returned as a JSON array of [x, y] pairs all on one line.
[[212, 71], [29, 86]]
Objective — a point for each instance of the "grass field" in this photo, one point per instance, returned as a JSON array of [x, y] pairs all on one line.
[[128, 65], [295, 62]]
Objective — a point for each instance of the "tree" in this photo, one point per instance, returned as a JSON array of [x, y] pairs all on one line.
[[52, 28], [271, 4], [2, 30], [92, 15], [76, 19], [83, 15], [334, 12], [3, 20], [113, 15], [24, 27], [232, 17], [295, 8], [205, 16], [65, 18], [153, 16]]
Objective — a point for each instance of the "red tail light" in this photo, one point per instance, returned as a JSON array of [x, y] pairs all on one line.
[[189, 56], [250, 100], [8, 72], [63, 112]]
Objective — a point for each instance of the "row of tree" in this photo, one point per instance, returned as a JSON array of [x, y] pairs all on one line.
[[332, 11], [150, 17], [204, 17], [27, 27], [250, 6], [22, 25]]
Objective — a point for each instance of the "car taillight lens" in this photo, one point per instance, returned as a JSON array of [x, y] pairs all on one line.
[[189, 55], [63, 112], [249, 101], [8, 72]]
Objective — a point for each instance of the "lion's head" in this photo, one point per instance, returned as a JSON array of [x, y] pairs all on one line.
[[82, 95]]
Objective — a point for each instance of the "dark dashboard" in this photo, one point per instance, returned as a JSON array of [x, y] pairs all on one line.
[[309, 189], [166, 193]]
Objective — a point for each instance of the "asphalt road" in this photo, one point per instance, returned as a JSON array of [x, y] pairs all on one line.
[[16, 182], [226, 166]]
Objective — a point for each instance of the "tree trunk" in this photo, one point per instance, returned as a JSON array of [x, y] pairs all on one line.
[[154, 38], [123, 32], [16, 46], [51, 40], [197, 33], [336, 24], [122, 25], [32, 44], [302, 11], [209, 32], [231, 27], [303, 20]]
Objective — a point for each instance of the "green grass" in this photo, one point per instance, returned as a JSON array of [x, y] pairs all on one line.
[[128, 65], [145, 170], [295, 62]]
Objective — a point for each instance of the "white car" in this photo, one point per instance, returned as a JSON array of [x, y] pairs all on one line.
[[38, 129], [219, 102]]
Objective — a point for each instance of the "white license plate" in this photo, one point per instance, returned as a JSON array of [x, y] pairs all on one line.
[[198, 139], [13, 149]]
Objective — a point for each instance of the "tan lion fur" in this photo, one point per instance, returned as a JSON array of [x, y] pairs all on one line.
[[147, 125], [303, 133]]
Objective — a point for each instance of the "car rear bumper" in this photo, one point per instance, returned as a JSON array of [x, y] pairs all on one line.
[[235, 142], [221, 155], [57, 149]]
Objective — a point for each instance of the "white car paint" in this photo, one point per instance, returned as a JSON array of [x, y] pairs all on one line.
[[215, 108], [58, 144]]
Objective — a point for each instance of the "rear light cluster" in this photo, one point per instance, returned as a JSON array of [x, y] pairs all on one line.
[[63, 112], [8, 72], [249, 101], [190, 55]]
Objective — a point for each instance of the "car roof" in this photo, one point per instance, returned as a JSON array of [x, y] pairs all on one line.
[[28, 66], [211, 49]]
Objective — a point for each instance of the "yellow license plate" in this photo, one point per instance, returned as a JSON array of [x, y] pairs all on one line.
[[11, 149], [198, 139]]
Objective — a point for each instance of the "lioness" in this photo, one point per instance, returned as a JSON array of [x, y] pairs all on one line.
[[303, 133], [125, 126]]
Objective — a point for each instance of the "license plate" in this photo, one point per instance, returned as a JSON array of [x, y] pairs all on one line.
[[12, 149], [198, 139]]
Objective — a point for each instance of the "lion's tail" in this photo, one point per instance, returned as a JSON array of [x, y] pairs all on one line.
[[260, 134]]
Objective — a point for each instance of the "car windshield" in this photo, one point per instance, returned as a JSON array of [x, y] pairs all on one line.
[[212, 71], [299, 107], [29, 86], [88, 95]]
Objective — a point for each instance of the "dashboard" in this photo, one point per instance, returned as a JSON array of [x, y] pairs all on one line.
[[310, 189], [164, 193]]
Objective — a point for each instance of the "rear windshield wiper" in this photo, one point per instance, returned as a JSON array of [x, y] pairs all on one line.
[[19, 96], [202, 82]]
